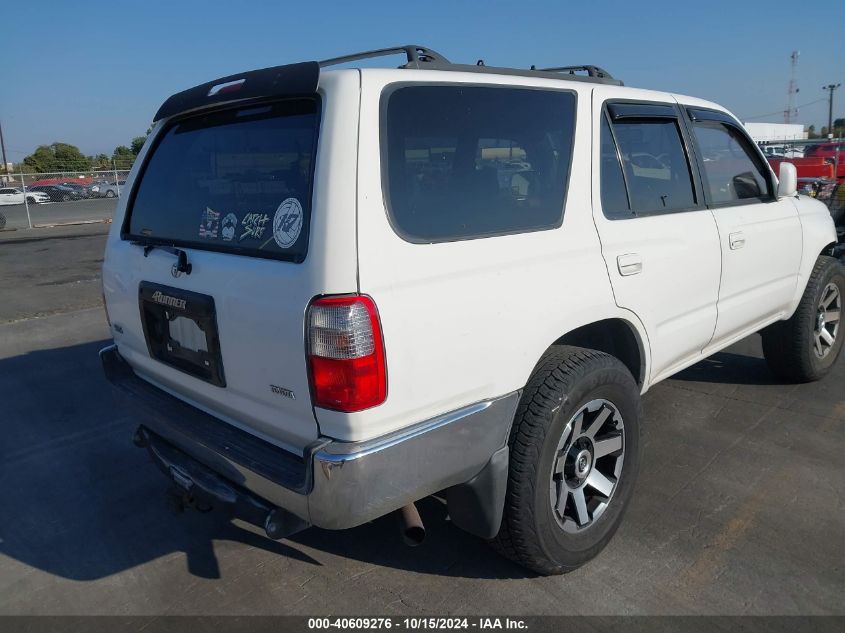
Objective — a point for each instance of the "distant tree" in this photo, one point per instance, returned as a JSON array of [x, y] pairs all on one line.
[[100, 161], [56, 157], [137, 144], [69, 158], [41, 160], [122, 157], [811, 132]]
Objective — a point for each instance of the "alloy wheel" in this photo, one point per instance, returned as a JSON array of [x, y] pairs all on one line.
[[587, 465], [827, 320]]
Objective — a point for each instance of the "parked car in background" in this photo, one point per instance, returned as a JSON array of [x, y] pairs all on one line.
[[83, 190], [58, 193], [95, 187], [110, 189], [13, 195]]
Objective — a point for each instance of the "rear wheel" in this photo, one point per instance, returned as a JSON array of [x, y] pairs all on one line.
[[574, 457], [805, 347], [109, 194], [65, 198], [837, 205]]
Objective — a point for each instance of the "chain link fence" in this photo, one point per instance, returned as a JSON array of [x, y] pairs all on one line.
[[28, 196]]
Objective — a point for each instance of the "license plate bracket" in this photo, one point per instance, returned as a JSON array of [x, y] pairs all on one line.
[[180, 328]]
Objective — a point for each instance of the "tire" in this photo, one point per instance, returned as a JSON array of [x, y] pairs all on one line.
[[109, 194], [837, 205], [65, 198], [568, 382], [838, 215], [2, 221], [796, 349]]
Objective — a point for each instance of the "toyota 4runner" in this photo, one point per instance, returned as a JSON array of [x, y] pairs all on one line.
[[335, 292]]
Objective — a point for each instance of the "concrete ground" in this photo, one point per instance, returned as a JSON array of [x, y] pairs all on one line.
[[740, 506], [47, 213]]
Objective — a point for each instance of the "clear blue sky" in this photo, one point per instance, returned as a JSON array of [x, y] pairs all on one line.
[[93, 73]]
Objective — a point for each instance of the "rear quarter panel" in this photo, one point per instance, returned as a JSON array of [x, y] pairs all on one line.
[[467, 321]]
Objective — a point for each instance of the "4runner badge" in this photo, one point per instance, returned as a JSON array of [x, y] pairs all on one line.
[[166, 300], [287, 393]]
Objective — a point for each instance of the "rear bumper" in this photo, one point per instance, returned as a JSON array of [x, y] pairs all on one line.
[[332, 484]]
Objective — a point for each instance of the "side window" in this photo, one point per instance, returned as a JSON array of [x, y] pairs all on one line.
[[614, 198], [655, 163], [731, 172], [471, 161]]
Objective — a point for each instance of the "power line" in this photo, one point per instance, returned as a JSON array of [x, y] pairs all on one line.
[[804, 105]]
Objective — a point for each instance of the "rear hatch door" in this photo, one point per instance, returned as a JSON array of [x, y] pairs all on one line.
[[208, 285]]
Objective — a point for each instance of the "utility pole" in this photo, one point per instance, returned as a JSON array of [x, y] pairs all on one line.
[[831, 88], [3, 148]]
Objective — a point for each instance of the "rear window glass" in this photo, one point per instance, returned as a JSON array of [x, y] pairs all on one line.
[[472, 161], [235, 181]]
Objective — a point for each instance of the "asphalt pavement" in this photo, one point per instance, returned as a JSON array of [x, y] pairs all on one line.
[[739, 509], [51, 213]]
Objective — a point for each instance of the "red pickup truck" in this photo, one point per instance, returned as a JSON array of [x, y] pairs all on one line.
[[818, 162]]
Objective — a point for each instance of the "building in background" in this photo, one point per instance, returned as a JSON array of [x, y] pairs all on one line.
[[770, 133], [776, 131]]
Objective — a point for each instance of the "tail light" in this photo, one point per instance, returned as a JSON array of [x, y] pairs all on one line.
[[346, 354]]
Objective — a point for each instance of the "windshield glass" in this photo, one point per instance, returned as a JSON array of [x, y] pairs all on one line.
[[237, 180]]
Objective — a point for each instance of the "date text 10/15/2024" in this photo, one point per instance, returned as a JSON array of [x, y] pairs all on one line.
[[429, 623]]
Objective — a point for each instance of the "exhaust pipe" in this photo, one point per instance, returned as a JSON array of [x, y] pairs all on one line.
[[411, 525]]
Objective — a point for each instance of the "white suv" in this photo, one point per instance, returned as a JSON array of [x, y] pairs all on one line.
[[337, 292]]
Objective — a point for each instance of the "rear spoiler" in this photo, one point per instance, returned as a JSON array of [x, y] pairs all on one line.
[[291, 80]]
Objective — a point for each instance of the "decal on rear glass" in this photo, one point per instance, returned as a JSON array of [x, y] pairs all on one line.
[[287, 223], [209, 224], [254, 225], [230, 225]]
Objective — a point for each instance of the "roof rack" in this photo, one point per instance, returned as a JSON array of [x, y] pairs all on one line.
[[592, 71], [423, 57], [416, 55]]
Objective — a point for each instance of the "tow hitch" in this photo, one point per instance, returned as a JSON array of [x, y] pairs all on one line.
[[199, 488]]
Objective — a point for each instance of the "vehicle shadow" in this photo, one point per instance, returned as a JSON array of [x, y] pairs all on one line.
[[730, 368], [446, 551], [79, 500]]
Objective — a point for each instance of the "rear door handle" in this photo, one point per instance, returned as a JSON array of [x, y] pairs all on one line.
[[629, 264], [736, 240]]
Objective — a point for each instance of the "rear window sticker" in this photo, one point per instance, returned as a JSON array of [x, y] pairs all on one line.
[[287, 223], [230, 225], [254, 225], [209, 224]]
